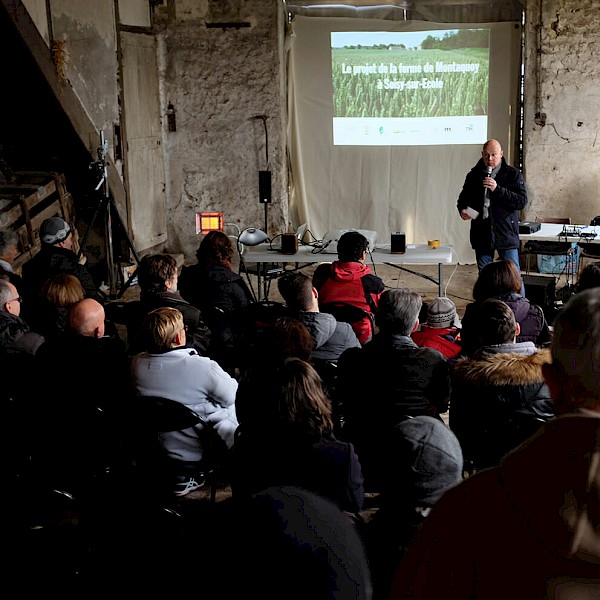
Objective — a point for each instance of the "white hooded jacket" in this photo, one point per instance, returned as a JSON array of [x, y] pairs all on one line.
[[196, 381]]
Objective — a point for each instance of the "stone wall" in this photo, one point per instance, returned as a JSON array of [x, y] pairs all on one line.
[[220, 81], [562, 109]]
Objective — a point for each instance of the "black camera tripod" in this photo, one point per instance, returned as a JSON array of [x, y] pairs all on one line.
[[107, 206]]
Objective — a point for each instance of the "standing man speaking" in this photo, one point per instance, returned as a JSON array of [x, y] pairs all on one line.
[[492, 196]]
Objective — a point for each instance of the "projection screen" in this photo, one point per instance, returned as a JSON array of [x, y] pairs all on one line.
[[386, 118]]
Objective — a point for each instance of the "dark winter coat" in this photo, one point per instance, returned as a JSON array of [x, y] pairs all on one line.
[[198, 334], [501, 230], [408, 380], [51, 260], [16, 336], [213, 286], [221, 295], [325, 466], [499, 398], [387, 381]]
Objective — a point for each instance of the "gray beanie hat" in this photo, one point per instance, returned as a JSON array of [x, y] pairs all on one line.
[[428, 460], [54, 230], [441, 313]]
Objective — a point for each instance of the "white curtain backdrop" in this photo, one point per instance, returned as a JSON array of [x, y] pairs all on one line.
[[385, 188]]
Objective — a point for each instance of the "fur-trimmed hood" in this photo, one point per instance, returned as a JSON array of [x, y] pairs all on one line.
[[503, 369]]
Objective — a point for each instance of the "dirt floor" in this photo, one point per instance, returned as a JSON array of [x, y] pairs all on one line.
[[457, 280]]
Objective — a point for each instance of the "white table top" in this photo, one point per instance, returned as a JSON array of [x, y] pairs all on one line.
[[551, 232], [416, 254]]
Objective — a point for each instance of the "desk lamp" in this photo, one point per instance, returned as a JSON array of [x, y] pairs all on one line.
[[252, 237]]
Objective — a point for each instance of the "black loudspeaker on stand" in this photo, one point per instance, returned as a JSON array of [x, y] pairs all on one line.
[[541, 291], [264, 177], [264, 187]]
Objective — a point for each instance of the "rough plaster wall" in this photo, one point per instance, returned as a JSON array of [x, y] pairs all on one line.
[[38, 14], [89, 33], [562, 109], [218, 81]]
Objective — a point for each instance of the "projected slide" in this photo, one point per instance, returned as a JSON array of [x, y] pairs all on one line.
[[410, 88]]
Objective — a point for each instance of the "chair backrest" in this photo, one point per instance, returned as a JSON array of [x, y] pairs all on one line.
[[347, 313], [494, 439], [557, 220], [162, 414]]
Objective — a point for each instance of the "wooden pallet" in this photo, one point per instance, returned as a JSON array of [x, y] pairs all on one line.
[[32, 197]]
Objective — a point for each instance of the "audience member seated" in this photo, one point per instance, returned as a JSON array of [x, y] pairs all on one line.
[[15, 334], [58, 294], [9, 250], [589, 277], [499, 397], [55, 256], [219, 292], [389, 380], [425, 460], [330, 337], [286, 338], [170, 369], [289, 543], [440, 330], [537, 513], [502, 280], [84, 383], [157, 277], [18, 344], [348, 280], [288, 440]]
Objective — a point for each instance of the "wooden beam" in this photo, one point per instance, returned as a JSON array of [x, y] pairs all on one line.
[[64, 93]]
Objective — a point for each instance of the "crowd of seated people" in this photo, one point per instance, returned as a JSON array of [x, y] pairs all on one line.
[[379, 425]]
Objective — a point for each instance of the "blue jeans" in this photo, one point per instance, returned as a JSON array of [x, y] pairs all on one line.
[[511, 254]]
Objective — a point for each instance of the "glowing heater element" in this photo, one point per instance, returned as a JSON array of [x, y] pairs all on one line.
[[209, 221]]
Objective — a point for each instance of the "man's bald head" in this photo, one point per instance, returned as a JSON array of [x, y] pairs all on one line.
[[492, 153], [86, 317]]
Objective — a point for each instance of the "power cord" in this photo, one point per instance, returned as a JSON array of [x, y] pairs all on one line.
[[453, 272]]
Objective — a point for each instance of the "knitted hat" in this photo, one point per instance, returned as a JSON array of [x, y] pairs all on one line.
[[54, 230], [428, 460], [441, 313]]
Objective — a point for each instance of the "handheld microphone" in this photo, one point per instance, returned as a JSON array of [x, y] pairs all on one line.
[[489, 171]]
